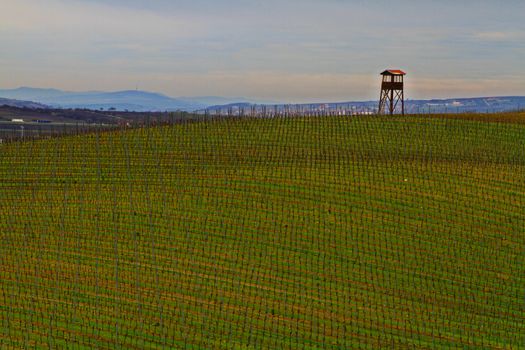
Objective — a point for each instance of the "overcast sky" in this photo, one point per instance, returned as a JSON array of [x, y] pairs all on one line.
[[287, 50]]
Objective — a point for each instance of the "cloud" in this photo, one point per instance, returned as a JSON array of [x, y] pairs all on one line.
[[424, 87], [500, 36], [83, 20]]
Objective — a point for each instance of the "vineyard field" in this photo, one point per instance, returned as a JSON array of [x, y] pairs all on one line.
[[281, 233]]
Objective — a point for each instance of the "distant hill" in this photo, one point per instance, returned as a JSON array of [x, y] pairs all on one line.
[[453, 105], [214, 100], [131, 100], [81, 116], [143, 101], [21, 104], [477, 104]]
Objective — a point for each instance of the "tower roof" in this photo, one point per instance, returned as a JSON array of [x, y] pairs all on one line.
[[393, 72]]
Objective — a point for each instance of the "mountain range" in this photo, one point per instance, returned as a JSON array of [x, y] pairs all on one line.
[[143, 101], [132, 100]]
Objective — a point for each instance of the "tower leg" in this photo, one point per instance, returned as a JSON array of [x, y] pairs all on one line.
[[403, 102], [391, 102], [382, 102]]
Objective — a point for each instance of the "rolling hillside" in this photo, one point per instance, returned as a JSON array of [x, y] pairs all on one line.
[[6, 102], [303, 233]]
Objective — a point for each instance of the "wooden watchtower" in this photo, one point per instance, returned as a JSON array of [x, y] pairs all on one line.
[[392, 91]]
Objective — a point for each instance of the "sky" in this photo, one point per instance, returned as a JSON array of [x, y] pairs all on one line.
[[287, 50]]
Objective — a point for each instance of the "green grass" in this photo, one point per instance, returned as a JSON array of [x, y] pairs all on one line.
[[308, 233]]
